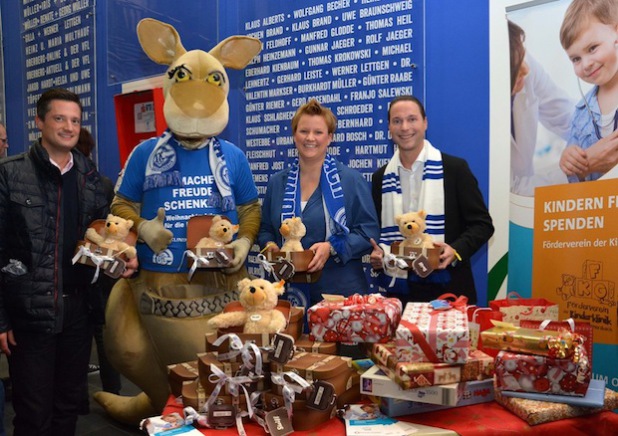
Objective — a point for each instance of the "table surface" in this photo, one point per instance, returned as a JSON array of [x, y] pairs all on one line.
[[487, 419]]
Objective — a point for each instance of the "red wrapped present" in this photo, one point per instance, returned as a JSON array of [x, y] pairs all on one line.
[[547, 375], [584, 329], [411, 375], [425, 334], [358, 318], [516, 308]]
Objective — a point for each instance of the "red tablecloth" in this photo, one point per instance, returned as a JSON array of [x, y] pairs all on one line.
[[486, 419]]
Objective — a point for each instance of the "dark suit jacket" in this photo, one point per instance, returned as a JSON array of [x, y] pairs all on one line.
[[468, 225]]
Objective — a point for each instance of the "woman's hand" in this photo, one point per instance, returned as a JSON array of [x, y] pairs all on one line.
[[321, 253]]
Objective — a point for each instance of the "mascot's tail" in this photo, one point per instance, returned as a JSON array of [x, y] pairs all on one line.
[[128, 410]]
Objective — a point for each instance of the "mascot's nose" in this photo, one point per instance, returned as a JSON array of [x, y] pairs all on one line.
[[224, 230], [197, 99], [409, 226], [252, 289]]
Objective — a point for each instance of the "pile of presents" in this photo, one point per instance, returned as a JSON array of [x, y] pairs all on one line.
[[424, 357]]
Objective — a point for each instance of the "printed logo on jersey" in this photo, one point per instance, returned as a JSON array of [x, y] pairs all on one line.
[[222, 174], [163, 160], [163, 258]]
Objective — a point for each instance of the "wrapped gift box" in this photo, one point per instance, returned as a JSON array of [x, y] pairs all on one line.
[[358, 318], [419, 374], [428, 335], [582, 328], [506, 336], [533, 373], [538, 412], [378, 382], [473, 392]]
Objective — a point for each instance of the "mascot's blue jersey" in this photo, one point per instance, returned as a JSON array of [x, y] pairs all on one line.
[[164, 174]]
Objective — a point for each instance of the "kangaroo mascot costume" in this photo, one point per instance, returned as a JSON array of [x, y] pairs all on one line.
[[159, 318]]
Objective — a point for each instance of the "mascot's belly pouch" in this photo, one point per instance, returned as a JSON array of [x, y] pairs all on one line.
[[175, 313]]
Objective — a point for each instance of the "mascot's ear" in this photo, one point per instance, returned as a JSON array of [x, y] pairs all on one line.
[[236, 51], [160, 41]]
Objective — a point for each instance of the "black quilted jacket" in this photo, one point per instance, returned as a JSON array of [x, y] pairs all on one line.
[[31, 233]]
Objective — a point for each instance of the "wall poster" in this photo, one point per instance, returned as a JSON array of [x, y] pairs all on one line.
[[58, 39], [352, 56]]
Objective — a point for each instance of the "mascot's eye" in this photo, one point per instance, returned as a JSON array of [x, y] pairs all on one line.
[[179, 74], [215, 79]]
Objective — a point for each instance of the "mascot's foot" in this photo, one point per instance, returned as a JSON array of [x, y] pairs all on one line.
[[128, 410]]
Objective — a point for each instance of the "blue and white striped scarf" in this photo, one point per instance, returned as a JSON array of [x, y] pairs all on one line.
[[333, 197], [431, 198], [163, 168]]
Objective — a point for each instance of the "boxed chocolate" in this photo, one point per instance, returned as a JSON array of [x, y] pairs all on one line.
[[428, 335], [303, 417], [208, 379], [205, 257], [291, 266], [304, 344], [420, 374], [336, 370], [358, 318], [194, 395], [180, 373]]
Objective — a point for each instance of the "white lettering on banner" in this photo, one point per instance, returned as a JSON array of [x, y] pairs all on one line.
[[353, 56], [570, 205], [306, 12], [578, 223]]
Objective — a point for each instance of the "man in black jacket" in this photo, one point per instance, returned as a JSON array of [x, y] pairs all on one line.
[[420, 177], [48, 197]]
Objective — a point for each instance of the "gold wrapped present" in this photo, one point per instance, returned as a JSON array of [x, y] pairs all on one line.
[[507, 336]]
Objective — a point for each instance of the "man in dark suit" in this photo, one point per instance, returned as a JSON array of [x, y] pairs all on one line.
[[420, 177]]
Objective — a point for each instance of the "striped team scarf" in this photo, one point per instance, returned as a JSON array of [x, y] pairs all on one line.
[[163, 168], [332, 195], [431, 198]]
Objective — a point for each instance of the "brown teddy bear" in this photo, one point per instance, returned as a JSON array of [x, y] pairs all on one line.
[[113, 235], [259, 298], [292, 230], [220, 233], [412, 227]]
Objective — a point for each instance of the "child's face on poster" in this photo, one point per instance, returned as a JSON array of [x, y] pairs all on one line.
[[594, 53]]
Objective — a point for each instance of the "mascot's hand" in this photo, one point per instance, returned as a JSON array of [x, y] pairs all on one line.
[[154, 233], [241, 248]]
